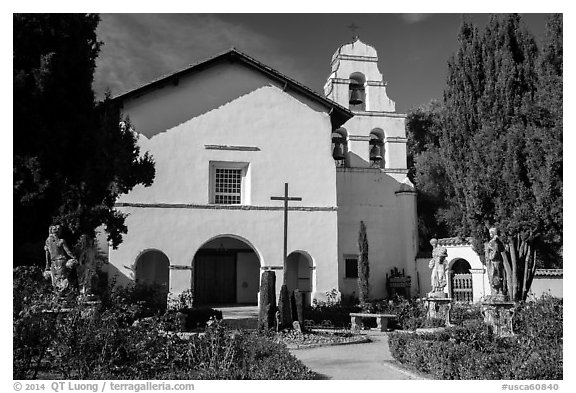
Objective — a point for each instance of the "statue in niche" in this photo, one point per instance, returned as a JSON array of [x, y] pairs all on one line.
[[59, 261], [493, 252], [438, 266]]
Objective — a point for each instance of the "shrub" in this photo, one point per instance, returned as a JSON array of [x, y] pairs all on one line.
[[80, 345], [194, 318], [333, 310], [471, 351], [411, 314], [84, 343], [28, 286], [463, 312], [146, 299]]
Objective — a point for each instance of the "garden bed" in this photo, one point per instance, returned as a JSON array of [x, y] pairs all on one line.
[[130, 338], [297, 340], [471, 351]]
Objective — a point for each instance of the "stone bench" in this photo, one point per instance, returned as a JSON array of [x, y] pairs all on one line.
[[382, 320]]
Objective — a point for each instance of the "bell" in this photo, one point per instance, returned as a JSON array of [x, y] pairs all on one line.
[[338, 152], [355, 96], [375, 154]]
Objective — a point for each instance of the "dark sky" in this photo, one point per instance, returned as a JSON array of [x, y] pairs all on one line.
[[412, 48]]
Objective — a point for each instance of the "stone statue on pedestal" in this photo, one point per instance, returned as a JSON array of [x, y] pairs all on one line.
[[438, 266], [59, 261], [496, 275]]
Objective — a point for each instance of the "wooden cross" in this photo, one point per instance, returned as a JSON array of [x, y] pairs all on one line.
[[285, 198]]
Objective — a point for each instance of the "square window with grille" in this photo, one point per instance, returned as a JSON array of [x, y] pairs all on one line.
[[351, 268], [228, 186]]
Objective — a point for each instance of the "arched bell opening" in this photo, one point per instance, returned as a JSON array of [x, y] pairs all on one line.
[[357, 92], [226, 271], [460, 279], [376, 146], [340, 147]]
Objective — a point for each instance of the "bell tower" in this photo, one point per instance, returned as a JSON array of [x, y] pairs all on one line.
[[354, 76], [376, 133], [369, 152]]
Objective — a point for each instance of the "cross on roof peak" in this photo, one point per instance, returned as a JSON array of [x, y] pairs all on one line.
[[353, 28]]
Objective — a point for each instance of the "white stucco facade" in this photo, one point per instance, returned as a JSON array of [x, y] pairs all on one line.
[[234, 113]]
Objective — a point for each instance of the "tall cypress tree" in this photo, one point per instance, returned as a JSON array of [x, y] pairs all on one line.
[[487, 144], [363, 265]]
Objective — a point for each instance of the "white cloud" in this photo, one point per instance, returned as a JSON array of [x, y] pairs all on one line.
[[140, 48], [414, 18]]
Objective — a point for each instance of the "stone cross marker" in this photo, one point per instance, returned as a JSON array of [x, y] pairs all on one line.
[[285, 198]]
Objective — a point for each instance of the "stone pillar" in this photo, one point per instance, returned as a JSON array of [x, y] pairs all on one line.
[[479, 287], [498, 316], [298, 306], [285, 309], [439, 308], [267, 301], [449, 282]]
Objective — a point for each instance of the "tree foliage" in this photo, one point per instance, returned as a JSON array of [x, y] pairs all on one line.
[[426, 171], [71, 159], [491, 154]]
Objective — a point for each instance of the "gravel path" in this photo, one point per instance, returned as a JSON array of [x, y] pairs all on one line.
[[356, 361]]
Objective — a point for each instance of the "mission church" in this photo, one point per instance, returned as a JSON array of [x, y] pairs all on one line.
[[226, 135]]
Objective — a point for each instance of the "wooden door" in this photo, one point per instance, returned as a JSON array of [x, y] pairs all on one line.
[[214, 278]]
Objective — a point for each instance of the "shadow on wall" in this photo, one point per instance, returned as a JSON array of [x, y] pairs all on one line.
[[116, 277], [353, 160], [365, 186]]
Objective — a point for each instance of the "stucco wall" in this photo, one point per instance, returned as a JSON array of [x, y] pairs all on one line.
[[553, 286], [195, 94], [369, 196], [293, 145], [292, 141], [179, 233]]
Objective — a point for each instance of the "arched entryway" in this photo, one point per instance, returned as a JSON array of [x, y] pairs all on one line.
[[299, 273], [226, 271], [152, 267], [461, 280]]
